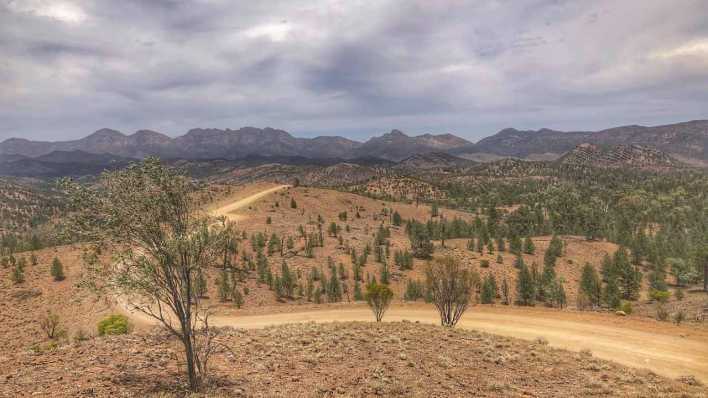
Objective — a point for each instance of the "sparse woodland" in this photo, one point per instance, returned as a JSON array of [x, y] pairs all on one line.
[[522, 235]]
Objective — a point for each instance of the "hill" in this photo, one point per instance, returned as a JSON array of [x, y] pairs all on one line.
[[433, 160], [619, 156], [396, 145], [74, 163]]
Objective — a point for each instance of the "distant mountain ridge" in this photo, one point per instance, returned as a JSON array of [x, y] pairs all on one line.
[[236, 144], [686, 141]]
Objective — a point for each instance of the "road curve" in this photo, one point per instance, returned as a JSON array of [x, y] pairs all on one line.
[[664, 353]]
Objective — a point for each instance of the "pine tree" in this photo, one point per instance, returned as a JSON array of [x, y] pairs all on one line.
[[525, 287], [262, 267], [384, 274], [515, 245], [529, 247], [549, 258], [548, 280], [334, 288], [342, 272], [356, 270], [237, 297], [310, 289], [489, 289], [223, 286], [396, 219], [414, 290], [318, 295], [590, 285], [657, 278], [500, 244], [287, 280], [519, 262], [555, 247], [506, 298], [18, 274], [556, 294], [611, 294], [629, 278], [293, 203], [290, 243], [358, 295], [57, 270], [607, 269]]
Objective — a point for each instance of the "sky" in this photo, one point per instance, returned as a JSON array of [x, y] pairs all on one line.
[[351, 68]]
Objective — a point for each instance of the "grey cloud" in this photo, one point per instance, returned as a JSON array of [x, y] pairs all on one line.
[[355, 68]]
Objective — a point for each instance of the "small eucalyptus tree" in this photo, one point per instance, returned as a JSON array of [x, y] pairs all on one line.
[[378, 296], [148, 217], [451, 287]]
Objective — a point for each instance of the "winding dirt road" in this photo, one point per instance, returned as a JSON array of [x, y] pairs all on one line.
[[229, 210], [664, 349]]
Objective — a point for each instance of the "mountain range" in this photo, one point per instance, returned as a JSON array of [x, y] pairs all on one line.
[[687, 142]]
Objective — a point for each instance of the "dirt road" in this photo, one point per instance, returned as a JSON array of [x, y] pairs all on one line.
[[229, 210], [667, 354]]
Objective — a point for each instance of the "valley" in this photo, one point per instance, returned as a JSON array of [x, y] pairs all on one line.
[[638, 341]]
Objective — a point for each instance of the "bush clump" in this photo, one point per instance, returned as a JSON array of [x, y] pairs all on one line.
[[113, 325], [661, 296]]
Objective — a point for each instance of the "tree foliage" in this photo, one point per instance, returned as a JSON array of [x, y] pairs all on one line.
[[147, 214]]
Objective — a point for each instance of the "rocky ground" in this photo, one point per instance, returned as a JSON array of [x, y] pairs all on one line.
[[338, 359]]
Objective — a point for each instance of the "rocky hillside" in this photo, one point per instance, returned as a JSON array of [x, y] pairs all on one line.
[[397, 146], [619, 156], [686, 141], [432, 161]]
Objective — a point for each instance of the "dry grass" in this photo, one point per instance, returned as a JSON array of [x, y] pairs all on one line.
[[338, 359]]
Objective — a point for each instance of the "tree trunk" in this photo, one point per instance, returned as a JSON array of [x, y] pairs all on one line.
[[191, 369], [187, 331]]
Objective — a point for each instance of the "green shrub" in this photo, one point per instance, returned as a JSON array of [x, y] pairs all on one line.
[[484, 263], [112, 325], [626, 307], [661, 296], [57, 270]]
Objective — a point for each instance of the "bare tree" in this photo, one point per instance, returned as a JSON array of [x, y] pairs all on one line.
[[161, 242], [50, 324], [378, 296], [451, 288]]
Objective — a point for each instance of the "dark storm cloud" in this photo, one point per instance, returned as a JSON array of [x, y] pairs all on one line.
[[357, 68]]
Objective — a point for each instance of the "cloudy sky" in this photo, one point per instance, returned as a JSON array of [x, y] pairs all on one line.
[[354, 68]]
